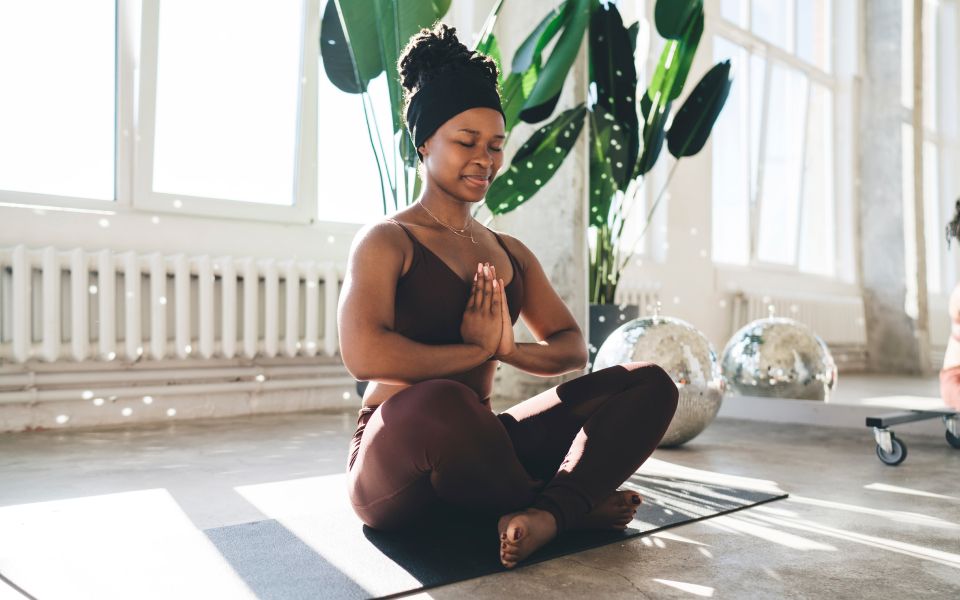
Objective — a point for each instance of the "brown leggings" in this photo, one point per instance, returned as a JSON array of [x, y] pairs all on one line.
[[563, 451]]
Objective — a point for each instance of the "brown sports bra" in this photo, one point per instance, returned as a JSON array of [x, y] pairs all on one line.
[[431, 297]]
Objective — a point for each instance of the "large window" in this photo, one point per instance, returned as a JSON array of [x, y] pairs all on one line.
[[777, 200], [225, 108], [940, 22], [57, 108], [202, 107]]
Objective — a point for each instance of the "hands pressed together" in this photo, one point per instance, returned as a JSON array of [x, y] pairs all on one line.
[[486, 320]]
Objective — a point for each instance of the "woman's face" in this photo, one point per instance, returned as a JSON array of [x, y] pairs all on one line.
[[465, 154]]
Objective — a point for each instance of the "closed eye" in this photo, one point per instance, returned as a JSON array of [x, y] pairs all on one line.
[[492, 149]]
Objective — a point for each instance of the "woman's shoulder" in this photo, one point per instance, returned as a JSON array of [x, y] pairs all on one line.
[[383, 235], [518, 249]]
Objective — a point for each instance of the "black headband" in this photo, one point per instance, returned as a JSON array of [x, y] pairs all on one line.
[[446, 96]]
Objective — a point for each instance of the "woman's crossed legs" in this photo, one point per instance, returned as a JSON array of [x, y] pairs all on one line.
[[560, 453]]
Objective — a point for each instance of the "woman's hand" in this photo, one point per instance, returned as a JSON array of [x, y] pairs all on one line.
[[482, 318], [507, 343]]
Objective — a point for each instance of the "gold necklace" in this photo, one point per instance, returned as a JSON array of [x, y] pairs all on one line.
[[468, 226]]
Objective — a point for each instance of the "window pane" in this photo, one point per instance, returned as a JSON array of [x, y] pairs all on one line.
[[949, 52], [758, 73], [731, 173], [949, 194], [906, 53], [782, 162], [817, 242], [771, 20], [228, 83], [813, 32], [57, 108], [930, 64], [909, 221], [931, 218], [733, 11], [349, 186]]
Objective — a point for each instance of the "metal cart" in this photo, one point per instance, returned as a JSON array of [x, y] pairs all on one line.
[[891, 450]]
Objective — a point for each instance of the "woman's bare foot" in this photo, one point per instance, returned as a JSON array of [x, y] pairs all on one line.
[[616, 511], [521, 533]]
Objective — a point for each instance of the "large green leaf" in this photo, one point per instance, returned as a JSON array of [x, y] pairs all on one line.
[[397, 21], [536, 161], [693, 122], [531, 49], [674, 65], [614, 74], [672, 17], [487, 42], [343, 59], [607, 156], [546, 92], [511, 96], [337, 60], [654, 120]]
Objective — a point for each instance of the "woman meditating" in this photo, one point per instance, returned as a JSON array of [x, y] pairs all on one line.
[[426, 315]]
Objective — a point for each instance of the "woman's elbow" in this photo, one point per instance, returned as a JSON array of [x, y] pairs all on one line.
[[582, 358], [355, 361]]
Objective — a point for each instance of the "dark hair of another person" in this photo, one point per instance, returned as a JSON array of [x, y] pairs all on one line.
[[953, 227], [433, 52]]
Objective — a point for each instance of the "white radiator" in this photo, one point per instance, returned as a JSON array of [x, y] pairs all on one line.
[[838, 321], [100, 306], [646, 297]]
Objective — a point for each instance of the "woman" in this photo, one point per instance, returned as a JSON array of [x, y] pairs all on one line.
[[426, 314], [950, 374]]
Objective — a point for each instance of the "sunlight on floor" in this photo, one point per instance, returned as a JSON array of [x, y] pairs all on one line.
[[136, 544], [697, 590], [883, 487], [293, 504], [894, 515], [658, 467]]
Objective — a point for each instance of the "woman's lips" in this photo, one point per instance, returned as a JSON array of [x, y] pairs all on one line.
[[477, 180]]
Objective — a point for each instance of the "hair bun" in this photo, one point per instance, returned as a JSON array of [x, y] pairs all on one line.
[[433, 51]]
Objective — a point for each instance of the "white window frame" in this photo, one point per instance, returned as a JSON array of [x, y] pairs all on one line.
[[304, 208], [946, 146], [845, 278], [124, 56], [137, 28]]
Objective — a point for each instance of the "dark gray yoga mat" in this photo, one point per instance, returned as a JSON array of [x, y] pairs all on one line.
[[278, 565]]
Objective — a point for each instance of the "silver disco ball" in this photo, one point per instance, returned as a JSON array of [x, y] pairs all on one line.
[[683, 352], [779, 358]]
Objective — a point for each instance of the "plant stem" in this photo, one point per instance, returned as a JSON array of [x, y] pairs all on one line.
[[376, 157], [386, 170]]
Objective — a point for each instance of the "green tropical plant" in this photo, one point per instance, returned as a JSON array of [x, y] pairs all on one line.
[[359, 40], [623, 148]]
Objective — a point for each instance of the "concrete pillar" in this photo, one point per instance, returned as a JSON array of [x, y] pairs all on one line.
[[893, 344]]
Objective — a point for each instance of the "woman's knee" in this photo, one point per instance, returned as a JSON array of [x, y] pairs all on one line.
[[656, 384]]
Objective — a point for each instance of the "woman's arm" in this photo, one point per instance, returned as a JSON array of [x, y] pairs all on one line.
[[370, 349], [560, 347]]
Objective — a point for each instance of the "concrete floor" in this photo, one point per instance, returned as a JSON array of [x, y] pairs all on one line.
[[852, 527]]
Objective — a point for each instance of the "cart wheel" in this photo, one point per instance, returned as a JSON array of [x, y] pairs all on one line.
[[896, 457], [953, 440]]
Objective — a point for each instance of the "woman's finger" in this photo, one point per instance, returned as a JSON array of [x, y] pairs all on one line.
[[472, 301], [495, 301], [487, 290]]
